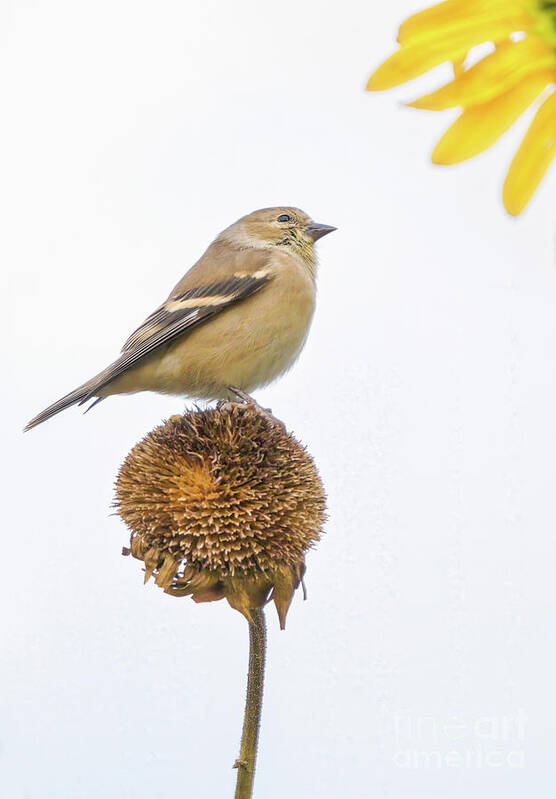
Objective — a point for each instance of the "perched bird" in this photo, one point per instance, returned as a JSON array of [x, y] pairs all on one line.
[[236, 320]]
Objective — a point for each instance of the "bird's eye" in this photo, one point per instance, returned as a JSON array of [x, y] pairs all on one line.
[[284, 218]]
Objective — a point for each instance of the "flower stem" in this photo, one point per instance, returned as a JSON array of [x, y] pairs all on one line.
[[245, 764]]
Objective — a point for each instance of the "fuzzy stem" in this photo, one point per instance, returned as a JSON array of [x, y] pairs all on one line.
[[245, 764]]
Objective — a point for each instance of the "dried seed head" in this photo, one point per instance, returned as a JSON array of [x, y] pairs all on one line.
[[222, 503]]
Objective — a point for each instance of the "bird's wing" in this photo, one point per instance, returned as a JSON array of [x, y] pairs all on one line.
[[184, 311], [178, 315]]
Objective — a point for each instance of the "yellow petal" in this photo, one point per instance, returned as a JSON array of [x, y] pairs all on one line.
[[493, 75], [415, 59], [423, 22], [459, 67], [533, 158], [443, 15], [480, 126]]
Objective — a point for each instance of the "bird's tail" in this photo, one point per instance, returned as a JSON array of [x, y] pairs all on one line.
[[79, 395]]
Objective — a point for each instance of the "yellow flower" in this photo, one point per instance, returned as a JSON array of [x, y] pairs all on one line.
[[492, 93]]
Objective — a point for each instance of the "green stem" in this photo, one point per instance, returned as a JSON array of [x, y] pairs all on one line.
[[245, 764]]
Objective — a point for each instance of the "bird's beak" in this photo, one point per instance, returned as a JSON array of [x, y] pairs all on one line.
[[317, 231]]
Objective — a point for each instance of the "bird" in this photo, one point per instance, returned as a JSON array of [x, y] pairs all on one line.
[[236, 320]]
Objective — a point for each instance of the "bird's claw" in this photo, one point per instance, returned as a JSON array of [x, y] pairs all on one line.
[[247, 399]]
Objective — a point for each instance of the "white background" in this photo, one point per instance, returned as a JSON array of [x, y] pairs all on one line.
[[132, 133]]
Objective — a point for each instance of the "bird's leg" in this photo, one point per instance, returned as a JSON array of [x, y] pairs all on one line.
[[248, 400]]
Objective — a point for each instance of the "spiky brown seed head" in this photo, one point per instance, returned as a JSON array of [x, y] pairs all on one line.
[[222, 503]]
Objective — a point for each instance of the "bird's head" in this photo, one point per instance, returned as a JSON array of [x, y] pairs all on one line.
[[287, 228]]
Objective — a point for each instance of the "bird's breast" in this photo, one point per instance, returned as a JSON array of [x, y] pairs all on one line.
[[246, 346]]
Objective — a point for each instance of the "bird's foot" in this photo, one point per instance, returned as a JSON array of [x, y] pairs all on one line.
[[247, 399]]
